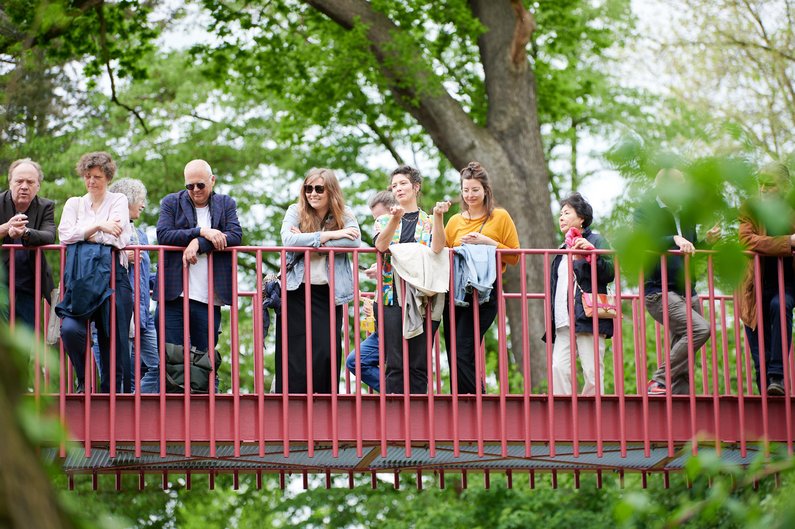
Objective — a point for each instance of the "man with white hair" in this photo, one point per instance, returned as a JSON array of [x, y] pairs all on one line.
[[202, 222], [29, 220]]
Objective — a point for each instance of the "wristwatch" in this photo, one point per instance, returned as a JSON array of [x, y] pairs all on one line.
[[26, 235]]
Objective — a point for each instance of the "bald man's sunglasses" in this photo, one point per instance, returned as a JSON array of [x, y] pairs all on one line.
[[199, 186]]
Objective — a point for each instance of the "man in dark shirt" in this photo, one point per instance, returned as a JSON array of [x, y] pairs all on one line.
[[29, 220], [663, 215]]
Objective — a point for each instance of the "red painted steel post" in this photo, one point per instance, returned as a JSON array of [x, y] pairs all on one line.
[[161, 337], [381, 372], [357, 344], [641, 383], [137, 349], [785, 346], [669, 418], [186, 357], [575, 416], [429, 340], [285, 362], [211, 389], [548, 328], [738, 341], [502, 357], [37, 341], [335, 379], [691, 369], [597, 357], [259, 353], [527, 381], [113, 353], [310, 401], [618, 359], [453, 356], [714, 363], [479, 369], [761, 342], [235, 353], [406, 374]]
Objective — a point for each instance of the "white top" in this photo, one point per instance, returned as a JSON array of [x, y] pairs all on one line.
[[318, 269], [199, 284], [562, 294], [78, 216]]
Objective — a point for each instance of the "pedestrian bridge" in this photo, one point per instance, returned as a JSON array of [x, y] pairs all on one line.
[[508, 427]]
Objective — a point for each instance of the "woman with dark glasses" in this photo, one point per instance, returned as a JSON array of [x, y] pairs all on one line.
[[320, 218]]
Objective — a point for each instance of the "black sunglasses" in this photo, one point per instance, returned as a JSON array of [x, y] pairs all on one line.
[[319, 189], [199, 186]]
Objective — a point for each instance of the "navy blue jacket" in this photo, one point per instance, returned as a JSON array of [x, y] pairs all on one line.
[[177, 226], [582, 272], [87, 280]]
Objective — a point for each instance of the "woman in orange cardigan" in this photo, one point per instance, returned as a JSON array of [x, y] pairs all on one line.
[[480, 222]]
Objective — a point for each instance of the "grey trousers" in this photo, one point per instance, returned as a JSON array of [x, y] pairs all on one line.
[[677, 322]]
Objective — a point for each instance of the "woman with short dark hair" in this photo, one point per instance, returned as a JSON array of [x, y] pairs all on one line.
[[101, 217], [576, 216]]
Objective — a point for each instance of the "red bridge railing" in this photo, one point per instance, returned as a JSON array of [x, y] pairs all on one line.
[[510, 422]]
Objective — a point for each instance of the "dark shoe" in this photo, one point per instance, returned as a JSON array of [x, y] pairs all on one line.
[[776, 388], [655, 388], [79, 388]]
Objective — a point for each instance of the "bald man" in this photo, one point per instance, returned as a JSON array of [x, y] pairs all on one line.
[[204, 223], [663, 216], [29, 220]]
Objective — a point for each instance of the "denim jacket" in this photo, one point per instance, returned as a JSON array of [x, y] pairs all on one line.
[[343, 273], [474, 267]]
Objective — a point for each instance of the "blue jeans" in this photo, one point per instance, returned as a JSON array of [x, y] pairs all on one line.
[[368, 360], [771, 323]]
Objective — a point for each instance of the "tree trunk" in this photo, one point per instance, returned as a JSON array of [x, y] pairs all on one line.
[[509, 146], [27, 498]]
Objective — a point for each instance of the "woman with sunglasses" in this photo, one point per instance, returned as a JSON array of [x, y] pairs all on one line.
[[320, 218]]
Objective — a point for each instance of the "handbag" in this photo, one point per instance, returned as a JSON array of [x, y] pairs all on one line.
[[606, 306]]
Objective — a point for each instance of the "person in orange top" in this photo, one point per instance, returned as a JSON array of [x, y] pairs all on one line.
[[480, 222]]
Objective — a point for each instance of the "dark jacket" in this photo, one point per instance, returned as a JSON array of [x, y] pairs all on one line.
[[87, 281], [177, 226], [41, 222], [582, 272], [660, 221]]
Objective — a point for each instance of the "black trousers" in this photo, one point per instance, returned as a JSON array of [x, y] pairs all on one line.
[[393, 353], [465, 343], [322, 348]]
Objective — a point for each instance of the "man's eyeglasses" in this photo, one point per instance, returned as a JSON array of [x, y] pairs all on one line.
[[319, 189], [199, 186]]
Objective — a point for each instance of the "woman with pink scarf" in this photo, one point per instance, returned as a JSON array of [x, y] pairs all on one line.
[[575, 220]]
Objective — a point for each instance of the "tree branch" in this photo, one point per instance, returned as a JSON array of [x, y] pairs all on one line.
[[412, 82], [103, 43], [523, 29], [386, 141]]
